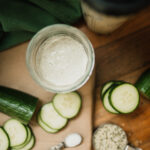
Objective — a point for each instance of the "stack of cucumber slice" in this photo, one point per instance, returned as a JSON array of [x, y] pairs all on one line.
[[119, 97], [55, 115], [16, 136]]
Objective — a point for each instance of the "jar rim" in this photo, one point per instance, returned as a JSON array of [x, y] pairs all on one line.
[[64, 28]]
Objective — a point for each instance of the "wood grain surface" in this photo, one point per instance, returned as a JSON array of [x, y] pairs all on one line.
[[124, 55]]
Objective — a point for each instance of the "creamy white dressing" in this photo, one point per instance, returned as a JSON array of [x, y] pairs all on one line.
[[61, 60]]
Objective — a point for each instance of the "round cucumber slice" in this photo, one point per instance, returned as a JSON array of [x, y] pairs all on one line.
[[51, 117], [30, 145], [124, 98], [27, 140], [67, 105], [109, 84], [16, 131], [4, 140], [107, 104], [106, 86], [44, 126]]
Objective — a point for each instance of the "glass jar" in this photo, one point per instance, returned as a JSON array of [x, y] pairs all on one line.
[[52, 31], [105, 16]]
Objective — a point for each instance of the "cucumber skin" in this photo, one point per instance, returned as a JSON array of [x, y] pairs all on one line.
[[16, 104], [113, 105], [32, 134], [78, 110], [34, 141], [143, 84], [7, 137], [115, 83]]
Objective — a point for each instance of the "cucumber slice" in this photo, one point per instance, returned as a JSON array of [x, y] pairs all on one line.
[[143, 84], [107, 85], [124, 98], [27, 140], [4, 140], [67, 105], [50, 116], [30, 145], [44, 126], [16, 131], [107, 104]]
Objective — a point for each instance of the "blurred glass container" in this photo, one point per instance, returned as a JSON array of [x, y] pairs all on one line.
[[105, 16], [53, 31]]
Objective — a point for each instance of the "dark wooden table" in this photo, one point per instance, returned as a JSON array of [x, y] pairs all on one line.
[[124, 55]]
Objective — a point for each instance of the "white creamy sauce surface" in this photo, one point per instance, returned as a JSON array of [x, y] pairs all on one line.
[[61, 60]]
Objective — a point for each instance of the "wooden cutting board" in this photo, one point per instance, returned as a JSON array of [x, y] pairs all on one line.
[[14, 74], [124, 55]]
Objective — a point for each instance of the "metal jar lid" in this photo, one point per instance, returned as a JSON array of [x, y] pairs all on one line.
[[118, 7]]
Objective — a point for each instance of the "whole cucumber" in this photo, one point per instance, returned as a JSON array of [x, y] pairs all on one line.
[[17, 104], [143, 84]]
